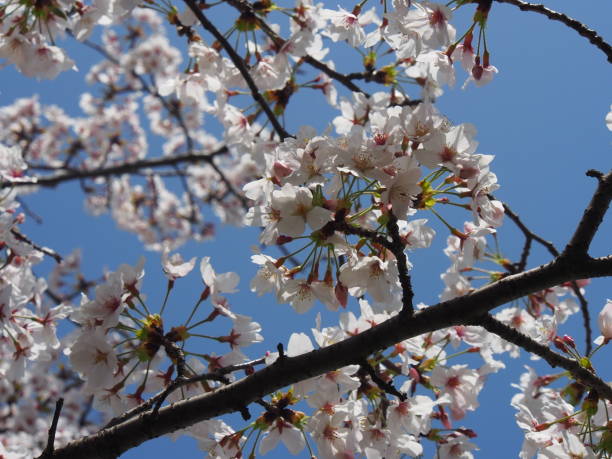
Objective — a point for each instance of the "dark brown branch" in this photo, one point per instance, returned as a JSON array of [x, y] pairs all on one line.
[[554, 359], [49, 449], [528, 233], [467, 309], [395, 246], [240, 65], [126, 168], [578, 26], [381, 383], [592, 218], [29, 212], [402, 266], [345, 80], [289, 370], [522, 264], [157, 400], [586, 317], [51, 253]]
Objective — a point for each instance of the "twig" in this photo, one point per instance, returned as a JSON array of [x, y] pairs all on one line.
[[86, 411], [554, 359], [578, 26], [52, 253], [180, 382], [344, 79], [586, 317], [384, 385], [240, 65], [29, 212], [172, 110], [395, 246], [531, 236], [528, 233], [49, 449]]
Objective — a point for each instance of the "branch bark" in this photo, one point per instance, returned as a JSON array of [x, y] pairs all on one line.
[[126, 168], [110, 443], [554, 359]]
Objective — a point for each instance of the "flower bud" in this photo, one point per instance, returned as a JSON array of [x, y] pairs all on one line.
[[605, 321]]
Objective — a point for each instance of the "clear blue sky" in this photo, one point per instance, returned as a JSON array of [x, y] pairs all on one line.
[[543, 118]]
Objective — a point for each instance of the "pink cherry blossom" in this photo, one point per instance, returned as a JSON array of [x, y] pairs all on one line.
[[174, 266]]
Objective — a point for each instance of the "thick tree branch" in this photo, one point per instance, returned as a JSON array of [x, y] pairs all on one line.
[[554, 359], [593, 216], [240, 65], [467, 309], [111, 442], [578, 26]]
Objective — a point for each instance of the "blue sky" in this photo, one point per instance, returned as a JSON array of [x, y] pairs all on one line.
[[543, 119]]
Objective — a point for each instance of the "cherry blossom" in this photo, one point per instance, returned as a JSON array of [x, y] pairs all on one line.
[[174, 265], [186, 126]]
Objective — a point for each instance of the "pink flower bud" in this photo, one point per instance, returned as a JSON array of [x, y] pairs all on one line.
[[569, 341], [559, 344], [605, 321]]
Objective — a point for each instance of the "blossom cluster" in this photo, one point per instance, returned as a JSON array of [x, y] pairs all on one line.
[[344, 207], [123, 351], [30, 379], [141, 71], [319, 191]]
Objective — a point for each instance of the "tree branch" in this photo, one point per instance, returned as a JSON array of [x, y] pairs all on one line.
[[574, 263], [578, 26], [289, 370], [48, 451], [402, 266], [49, 252], [554, 359], [592, 218], [530, 235], [126, 168], [240, 65]]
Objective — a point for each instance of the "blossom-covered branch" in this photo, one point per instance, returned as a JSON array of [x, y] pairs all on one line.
[[239, 63], [554, 359], [290, 370]]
